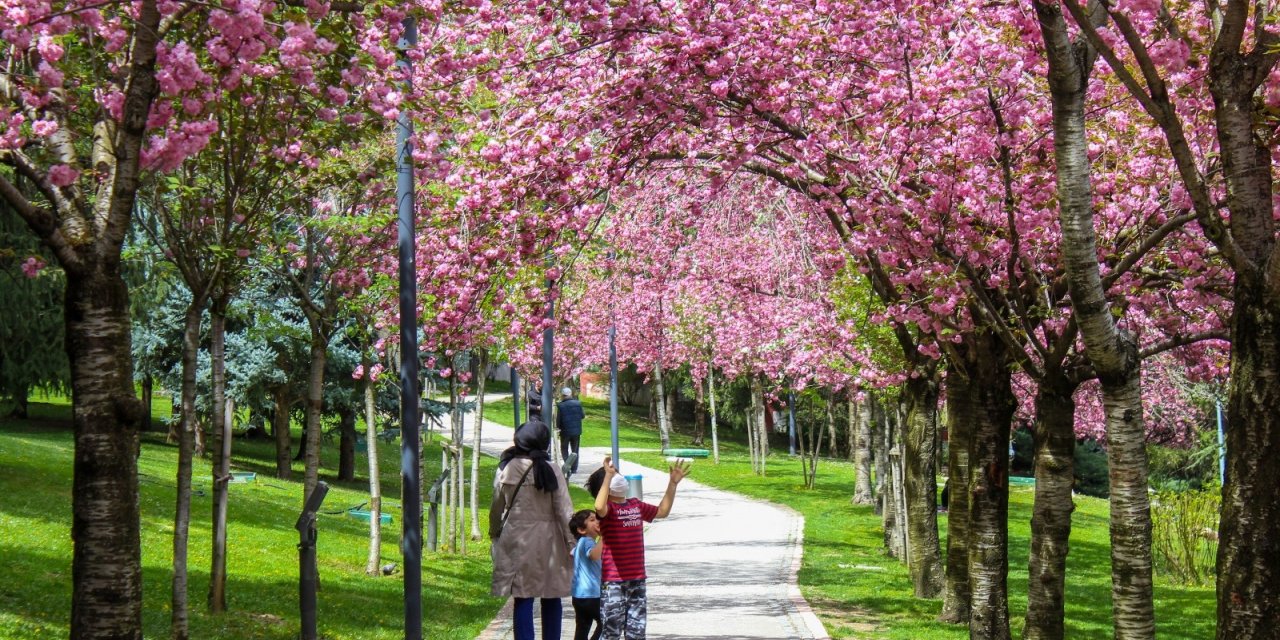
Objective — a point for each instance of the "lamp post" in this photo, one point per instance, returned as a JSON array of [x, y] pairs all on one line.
[[411, 503], [308, 573], [791, 420]]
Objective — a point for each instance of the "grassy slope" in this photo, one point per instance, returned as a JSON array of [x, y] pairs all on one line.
[[35, 582], [856, 589]]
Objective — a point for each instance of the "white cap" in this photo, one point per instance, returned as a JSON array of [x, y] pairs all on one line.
[[566, 392], [618, 486]]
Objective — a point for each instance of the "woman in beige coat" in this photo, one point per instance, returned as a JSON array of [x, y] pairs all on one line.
[[532, 552]]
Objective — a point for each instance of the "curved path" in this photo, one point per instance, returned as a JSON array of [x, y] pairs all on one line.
[[721, 566]]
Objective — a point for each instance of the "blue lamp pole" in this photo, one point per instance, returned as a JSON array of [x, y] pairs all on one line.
[[411, 507]]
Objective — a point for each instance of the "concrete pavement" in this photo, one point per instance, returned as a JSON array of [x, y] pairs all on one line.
[[721, 566]]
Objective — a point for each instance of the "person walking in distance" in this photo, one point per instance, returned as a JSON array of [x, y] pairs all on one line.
[[586, 575], [532, 548], [623, 600], [569, 417]]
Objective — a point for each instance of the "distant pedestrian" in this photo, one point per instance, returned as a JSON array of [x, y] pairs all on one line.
[[569, 417], [532, 550], [534, 395], [586, 575], [623, 599]]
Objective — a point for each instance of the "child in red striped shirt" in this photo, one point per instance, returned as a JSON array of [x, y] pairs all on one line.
[[623, 601]]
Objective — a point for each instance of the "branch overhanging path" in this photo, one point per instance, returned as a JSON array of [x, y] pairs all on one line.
[[722, 565]]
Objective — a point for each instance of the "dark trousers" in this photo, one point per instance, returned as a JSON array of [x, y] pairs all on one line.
[[551, 612], [566, 443], [585, 612]]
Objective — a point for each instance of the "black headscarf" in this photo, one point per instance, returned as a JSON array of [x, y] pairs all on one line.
[[532, 440]]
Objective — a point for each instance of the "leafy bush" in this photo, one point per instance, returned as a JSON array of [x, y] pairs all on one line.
[[1184, 535], [1182, 468], [1091, 470]]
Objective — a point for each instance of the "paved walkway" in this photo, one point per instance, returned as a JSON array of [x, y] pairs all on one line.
[[721, 566]]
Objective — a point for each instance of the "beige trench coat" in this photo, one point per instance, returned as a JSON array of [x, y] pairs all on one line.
[[531, 559]]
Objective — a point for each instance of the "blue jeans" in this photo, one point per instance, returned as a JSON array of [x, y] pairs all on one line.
[[551, 612]]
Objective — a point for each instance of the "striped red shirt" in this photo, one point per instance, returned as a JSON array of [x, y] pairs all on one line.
[[622, 531]]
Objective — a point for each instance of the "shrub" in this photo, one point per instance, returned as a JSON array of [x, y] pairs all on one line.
[[1182, 468], [1184, 535], [1091, 470]]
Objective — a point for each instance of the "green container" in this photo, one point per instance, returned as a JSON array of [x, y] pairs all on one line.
[[1019, 480], [687, 453], [362, 515], [243, 477]]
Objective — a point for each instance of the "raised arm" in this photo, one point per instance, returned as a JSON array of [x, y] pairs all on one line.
[[678, 472], [602, 496]]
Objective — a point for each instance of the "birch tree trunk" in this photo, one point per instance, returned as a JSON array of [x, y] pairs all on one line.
[[832, 450], [660, 393], [919, 462], [221, 470], [373, 565], [762, 438], [986, 362], [1113, 353], [475, 445], [179, 613], [699, 415], [315, 403], [1055, 444], [1249, 552], [715, 433], [956, 600], [891, 519], [860, 446]]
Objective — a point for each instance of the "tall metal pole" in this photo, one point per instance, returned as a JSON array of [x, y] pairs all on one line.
[[548, 344], [411, 492], [613, 391], [791, 420]]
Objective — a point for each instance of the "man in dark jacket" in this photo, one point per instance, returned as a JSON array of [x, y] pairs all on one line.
[[569, 423]]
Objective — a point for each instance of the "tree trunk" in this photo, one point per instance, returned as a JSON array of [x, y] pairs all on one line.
[[315, 404], [990, 378], [21, 405], [759, 433], [762, 429], [1249, 549], [280, 429], [891, 520], [860, 430], [832, 450], [106, 565], [699, 415], [1113, 353], [178, 608], [475, 446], [347, 443], [1055, 444], [920, 401], [373, 564], [956, 600], [221, 457], [715, 433], [660, 392], [148, 389]]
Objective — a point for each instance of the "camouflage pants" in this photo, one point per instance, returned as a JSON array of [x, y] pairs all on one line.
[[624, 609]]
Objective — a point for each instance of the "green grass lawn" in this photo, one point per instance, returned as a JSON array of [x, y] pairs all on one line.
[[35, 514], [856, 590], [859, 592]]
